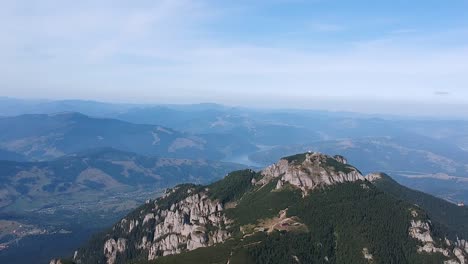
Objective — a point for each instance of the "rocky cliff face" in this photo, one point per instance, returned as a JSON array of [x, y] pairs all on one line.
[[372, 177], [421, 231], [194, 222], [310, 171], [163, 228]]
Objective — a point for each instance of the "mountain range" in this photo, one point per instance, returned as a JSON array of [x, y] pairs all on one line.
[[70, 197], [102, 170], [306, 208], [90, 163], [268, 126], [49, 136]]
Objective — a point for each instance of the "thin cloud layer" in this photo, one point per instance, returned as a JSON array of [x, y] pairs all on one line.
[[192, 51]]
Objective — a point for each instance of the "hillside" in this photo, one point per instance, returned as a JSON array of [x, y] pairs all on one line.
[[99, 172], [452, 219], [65, 200], [306, 208], [44, 137]]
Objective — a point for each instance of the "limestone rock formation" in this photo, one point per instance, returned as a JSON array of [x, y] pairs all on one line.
[[422, 231], [113, 247], [187, 224], [311, 171], [372, 177]]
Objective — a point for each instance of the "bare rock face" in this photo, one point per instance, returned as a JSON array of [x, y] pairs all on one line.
[[460, 255], [133, 224], [367, 255], [113, 247], [341, 159], [148, 217], [187, 222], [422, 231], [372, 177], [55, 261], [314, 171], [181, 220], [463, 244]]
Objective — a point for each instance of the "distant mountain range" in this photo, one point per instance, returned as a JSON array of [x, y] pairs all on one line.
[[306, 208], [262, 126], [400, 154], [48, 136]]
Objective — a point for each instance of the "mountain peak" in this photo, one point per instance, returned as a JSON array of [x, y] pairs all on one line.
[[309, 171], [336, 163], [261, 217]]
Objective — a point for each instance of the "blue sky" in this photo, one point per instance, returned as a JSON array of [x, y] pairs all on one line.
[[267, 53]]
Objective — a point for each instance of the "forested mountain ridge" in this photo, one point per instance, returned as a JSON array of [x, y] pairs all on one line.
[[307, 208], [451, 218]]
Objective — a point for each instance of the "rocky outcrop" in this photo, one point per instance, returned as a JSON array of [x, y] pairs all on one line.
[[133, 224], [422, 231], [341, 159], [316, 170], [458, 252], [367, 255], [187, 224], [463, 244], [372, 177], [184, 219], [113, 247]]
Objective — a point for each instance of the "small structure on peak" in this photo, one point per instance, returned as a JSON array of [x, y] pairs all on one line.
[[461, 204]]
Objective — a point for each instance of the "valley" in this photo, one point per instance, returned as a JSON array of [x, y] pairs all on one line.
[[86, 191]]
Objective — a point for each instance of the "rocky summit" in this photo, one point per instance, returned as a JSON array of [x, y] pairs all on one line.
[[306, 208], [310, 171]]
